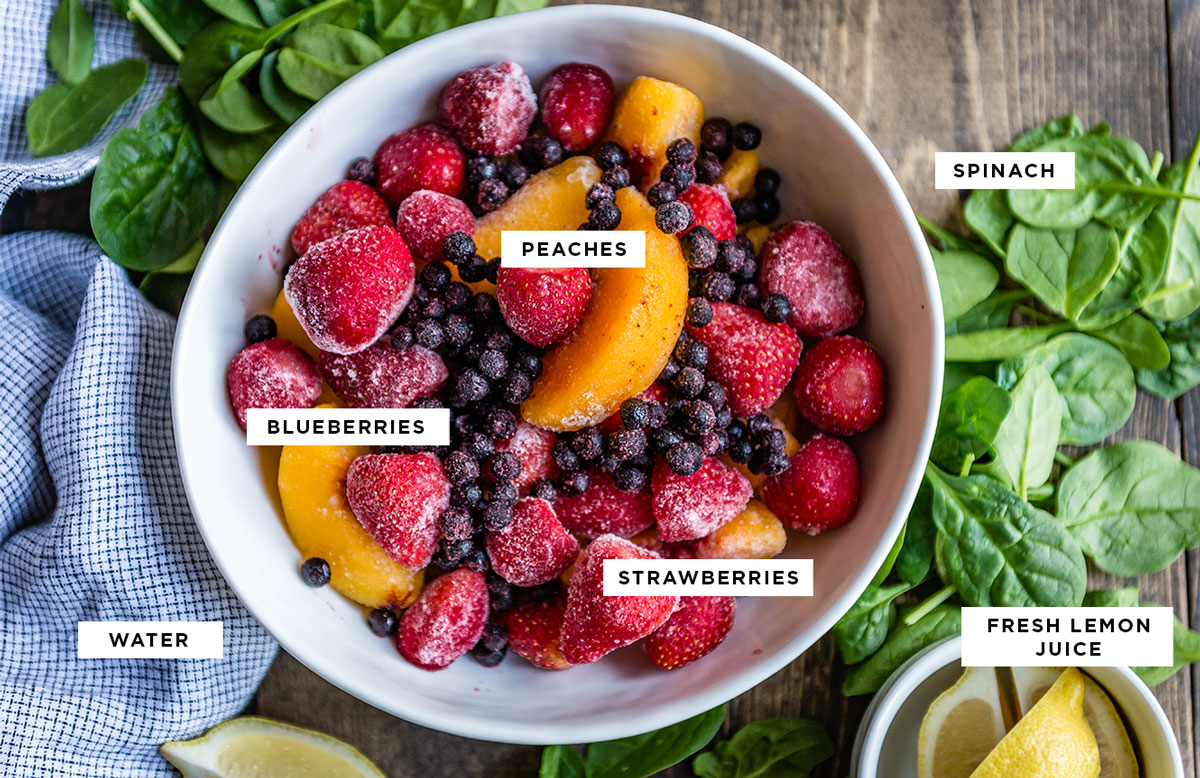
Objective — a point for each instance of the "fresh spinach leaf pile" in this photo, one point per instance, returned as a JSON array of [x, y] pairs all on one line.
[[247, 70], [1105, 282], [769, 748]]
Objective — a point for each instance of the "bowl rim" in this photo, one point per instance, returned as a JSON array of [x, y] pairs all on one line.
[[650, 717]]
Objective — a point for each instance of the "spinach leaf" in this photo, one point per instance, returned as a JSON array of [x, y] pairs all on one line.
[[229, 104], [998, 550], [949, 241], [996, 345], [967, 424], [318, 58], [64, 117], [905, 641], [965, 280], [1183, 254], [276, 11], [1141, 265], [1187, 650], [986, 213], [401, 22], [1183, 342], [644, 755], [153, 194], [1094, 382], [211, 53], [1065, 269], [288, 105], [1027, 439], [165, 290], [1133, 507], [1139, 342], [234, 155], [916, 553], [71, 42], [865, 626], [1062, 127], [770, 748], [179, 21], [1112, 598], [240, 11], [561, 762], [990, 314]]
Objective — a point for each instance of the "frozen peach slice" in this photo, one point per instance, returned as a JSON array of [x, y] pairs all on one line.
[[312, 488], [626, 336], [287, 327], [756, 533], [738, 172], [650, 114]]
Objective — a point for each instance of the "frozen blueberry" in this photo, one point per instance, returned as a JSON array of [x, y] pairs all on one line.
[[564, 456], [748, 295], [541, 151], [479, 169], [491, 194], [700, 248], [516, 387], [605, 216], [635, 414], [544, 489], [766, 208], [315, 571], [500, 424], [362, 170], [776, 308], [679, 176], [505, 465], [260, 328], [659, 193], [673, 218], [574, 483], [504, 491], [514, 174], [497, 515], [616, 177], [382, 622], [629, 478], [708, 168], [681, 151], [610, 155], [587, 443], [599, 192], [684, 458], [456, 523], [626, 444], [699, 311], [745, 136], [715, 136], [461, 467], [689, 383], [740, 451], [717, 287], [767, 181], [744, 210]]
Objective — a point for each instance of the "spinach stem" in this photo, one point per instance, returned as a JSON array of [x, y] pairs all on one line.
[[1167, 291], [1063, 459], [295, 19], [1034, 313], [966, 468], [931, 602], [139, 12], [1153, 191]]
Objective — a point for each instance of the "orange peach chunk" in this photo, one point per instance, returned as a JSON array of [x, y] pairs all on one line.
[[626, 336], [756, 533], [312, 488], [737, 174], [650, 115]]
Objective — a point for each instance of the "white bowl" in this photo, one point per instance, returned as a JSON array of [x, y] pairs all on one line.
[[886, 745], [832, 174]]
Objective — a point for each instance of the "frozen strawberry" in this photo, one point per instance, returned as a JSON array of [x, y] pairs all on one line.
[[348, 290], [534, 629], [533, 548], [424, 157], [577, 104], [383, 376], [489, 109], [604, 509], [805, 264], [426, 217], [271, 374], [839, 385], [711, 207], [543, 305], [820, 489], [687, 507], [534, 446], [750, 358], [649, 540], [595, 624], [696, 628], [447, 620], [398, 498], [656, 392], [347, 205]]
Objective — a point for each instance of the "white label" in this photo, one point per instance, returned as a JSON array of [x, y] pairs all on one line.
[[1004, 170], [151, 639], [708, 577], [1067, 637], [348, 426], [572, 248]]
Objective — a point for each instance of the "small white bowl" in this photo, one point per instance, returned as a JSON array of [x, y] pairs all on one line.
[[832, 174], [886, 745]]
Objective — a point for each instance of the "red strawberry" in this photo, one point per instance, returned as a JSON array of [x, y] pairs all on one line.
[[687, 507], [447, 620], [711, 207], [655, 393], [534, 446], [534, 629], [750, 358], [820, 489], [346, 291], [699, 626], [839, 385], [577, 104], [805, 264], [534, 548], [595, 624], [489, 109], [650, 541], [543, 305], [271, 374], [424, 157], [383, 376], [398, 498], [347, 205], [604, 509], [426, 217]]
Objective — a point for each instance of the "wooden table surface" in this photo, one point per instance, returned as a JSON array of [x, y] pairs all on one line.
[[919, 76]]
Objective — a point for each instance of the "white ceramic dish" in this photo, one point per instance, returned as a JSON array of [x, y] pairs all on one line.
[[832, 175], [886, 745]]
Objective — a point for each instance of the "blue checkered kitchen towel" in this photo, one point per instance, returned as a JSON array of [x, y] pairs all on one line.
[[94, 523]]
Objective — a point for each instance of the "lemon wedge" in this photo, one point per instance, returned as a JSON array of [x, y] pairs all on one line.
[[1117, 758], [962, 726], [1052, 739], [254, 747]]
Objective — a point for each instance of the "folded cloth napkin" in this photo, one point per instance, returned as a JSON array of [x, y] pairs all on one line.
[[95, 526]]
